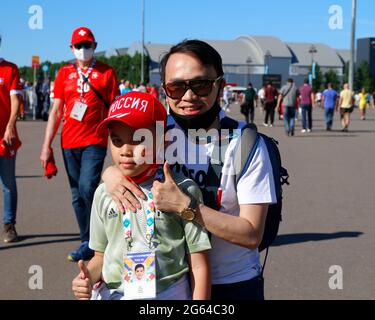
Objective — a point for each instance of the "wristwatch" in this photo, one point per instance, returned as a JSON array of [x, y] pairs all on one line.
[[190, 212]]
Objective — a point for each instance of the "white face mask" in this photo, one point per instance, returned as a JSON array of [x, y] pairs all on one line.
[[83, 54]]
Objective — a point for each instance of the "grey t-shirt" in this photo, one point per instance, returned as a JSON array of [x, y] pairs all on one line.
[[176, 237], [289, 94]]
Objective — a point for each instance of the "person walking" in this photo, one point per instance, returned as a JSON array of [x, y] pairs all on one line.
[[363, 103], [270, 104], [227, 95], [306, 105], [9, 109], [288, 95], [82, 93], [346, 107], [248, 102], [329, 101]]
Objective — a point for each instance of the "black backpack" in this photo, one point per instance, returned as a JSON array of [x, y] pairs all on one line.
[[249, 142]]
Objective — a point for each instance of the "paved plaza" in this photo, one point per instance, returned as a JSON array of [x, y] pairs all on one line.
[[328, 216]]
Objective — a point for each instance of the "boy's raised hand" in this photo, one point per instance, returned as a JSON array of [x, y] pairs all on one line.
[[81, 284], [167, 195]]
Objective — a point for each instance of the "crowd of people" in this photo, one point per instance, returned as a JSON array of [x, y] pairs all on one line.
[[290, 102]]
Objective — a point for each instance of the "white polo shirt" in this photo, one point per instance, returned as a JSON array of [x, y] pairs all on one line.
[[231, 263]]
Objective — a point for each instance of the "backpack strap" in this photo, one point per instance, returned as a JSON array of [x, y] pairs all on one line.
[[243, 155], [216, 164], [245, 150]]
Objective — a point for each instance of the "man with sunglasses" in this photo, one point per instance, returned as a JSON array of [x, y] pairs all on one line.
[[82, 93], [192, 77]]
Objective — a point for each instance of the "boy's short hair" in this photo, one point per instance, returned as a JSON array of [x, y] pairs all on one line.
[[139, 265]]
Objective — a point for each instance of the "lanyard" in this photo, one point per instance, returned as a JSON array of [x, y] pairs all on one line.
[[85, 77], [150, 223]]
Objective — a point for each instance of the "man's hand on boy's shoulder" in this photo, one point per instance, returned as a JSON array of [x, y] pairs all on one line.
[[167, 195]]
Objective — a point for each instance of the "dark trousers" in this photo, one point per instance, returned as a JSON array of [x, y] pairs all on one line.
[[270, 112], [84, 167], [306, 116], [247, 109], [329, 112], [289, 119], [252, 289]]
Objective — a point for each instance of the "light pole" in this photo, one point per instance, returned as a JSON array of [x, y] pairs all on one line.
[[248, 62], [352, 45], [267, 57], [312, 51], [143, 41]]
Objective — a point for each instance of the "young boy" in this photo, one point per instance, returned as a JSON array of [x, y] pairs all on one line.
[[168, 246]]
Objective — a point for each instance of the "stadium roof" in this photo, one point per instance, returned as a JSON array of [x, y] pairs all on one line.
[[325, 56], [238, 51]]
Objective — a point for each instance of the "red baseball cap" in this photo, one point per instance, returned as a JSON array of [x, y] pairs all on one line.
[[82, 34], [136, 109]]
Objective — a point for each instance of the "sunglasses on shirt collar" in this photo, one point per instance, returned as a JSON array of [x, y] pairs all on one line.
[[84, 44], [200, 87]]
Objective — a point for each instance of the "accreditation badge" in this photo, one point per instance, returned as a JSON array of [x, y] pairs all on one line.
[[79, 110], [139, 276]]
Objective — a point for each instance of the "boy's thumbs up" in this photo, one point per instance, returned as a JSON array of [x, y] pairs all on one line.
[[85, 274]]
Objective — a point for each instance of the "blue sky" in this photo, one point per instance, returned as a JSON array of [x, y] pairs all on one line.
[[117, 23]]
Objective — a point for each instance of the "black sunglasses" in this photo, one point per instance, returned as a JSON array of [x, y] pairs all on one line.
[[84, 44], [201, 87]]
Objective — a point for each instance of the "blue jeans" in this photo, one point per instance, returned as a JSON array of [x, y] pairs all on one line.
[[329, 112], [8, 179], [84, 167], [289, 118], [306, 116]]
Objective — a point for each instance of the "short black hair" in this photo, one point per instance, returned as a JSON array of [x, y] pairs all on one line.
[[290, 80], [200, 49], [249, 84], [306, 81], [139, 265]]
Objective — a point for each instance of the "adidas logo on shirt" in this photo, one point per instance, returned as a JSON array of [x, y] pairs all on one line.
[[112, 214]]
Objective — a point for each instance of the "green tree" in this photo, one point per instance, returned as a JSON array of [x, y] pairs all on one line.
[[362, 77], [331, 76], [318, 81], [126, 67]]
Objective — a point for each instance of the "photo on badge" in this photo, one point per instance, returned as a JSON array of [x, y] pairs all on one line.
[[139, 276]]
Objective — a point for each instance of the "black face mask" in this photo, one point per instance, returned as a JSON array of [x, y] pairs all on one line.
[[201, 121]]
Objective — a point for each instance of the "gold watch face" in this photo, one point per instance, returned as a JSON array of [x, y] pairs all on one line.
[[188, 214]]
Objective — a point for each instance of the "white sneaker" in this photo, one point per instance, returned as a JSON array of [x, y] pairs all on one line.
[[308, 130], [303, 130], [271, 125], [265, 124]]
